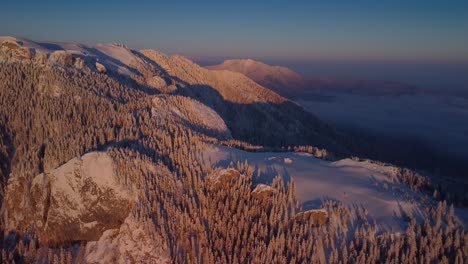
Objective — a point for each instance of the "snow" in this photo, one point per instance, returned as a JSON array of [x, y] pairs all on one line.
[[76, 189], [193, 113], [119, 57], [128, 244], [114, 57], [259, 188], [278, 79], [120, 53], [96, 167], [354, 183], [259, 71], [216, 177]]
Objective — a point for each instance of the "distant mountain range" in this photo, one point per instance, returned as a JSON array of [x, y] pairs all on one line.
[[291, 84], [279, 79]]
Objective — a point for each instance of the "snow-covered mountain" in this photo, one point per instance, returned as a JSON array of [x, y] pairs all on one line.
[[290, 84], [112, 155], [279, 79], [252, 112]]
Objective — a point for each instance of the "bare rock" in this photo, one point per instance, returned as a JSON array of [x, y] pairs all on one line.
[[128, 244], [100, 67], [318, 217], [76, 201], [263, 193], [79, 63], [11, 51], [61, 58], [222, 178]]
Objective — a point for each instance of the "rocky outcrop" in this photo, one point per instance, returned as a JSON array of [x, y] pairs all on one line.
[[80, 63], [222, 178], [263, 193], [61, 58], [11, 51], [318, 217], [128, 244], [100, 67], [76, 201]]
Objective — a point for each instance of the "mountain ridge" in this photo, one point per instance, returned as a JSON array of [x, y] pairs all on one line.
[[279, 79], [291, 84]]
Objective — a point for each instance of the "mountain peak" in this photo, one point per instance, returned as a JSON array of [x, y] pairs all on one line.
[[279, 79]]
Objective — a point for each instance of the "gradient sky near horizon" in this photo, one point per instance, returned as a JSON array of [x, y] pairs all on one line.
[[383, 31]]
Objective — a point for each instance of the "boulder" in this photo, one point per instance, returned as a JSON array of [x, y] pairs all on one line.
[[222, 178], [263, 193], [317, 217], [100, 67]]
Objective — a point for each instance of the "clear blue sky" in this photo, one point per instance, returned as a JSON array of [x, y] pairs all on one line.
[[395, 30]]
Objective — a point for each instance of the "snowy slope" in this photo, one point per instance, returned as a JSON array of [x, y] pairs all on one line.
[[354, 183], [190, 112], [282, 80], [128, 244], [114, 57]]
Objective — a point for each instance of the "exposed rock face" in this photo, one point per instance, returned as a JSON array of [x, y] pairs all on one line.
[[100, 67], [128, 244], [80, 63], [263, 193], [317, 217], [222, 178], [77, 201], [11, 51], [61, 58]]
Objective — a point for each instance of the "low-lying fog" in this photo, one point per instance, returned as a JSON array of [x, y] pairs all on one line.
[[429, 130], [439, 120]]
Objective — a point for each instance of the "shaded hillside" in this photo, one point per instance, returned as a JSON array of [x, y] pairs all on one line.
[[252, 112]]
